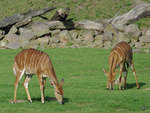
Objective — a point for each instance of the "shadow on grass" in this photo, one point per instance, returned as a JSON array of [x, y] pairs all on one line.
[[132, 85], [50, 99]]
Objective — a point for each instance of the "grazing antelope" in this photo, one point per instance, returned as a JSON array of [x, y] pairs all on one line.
[[31, 61], [120, 56]]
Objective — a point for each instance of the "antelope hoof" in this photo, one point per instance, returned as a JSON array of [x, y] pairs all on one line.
[[42, 101], [30, 101], [14, 102]]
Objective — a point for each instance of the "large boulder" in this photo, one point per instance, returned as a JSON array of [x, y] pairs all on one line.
[[14, 45], [40, 29], [11, 37], [88, 36], [64, 37], [107, 44], [133, 31], [140, 11], [89, 25], [55, 32], [74, 34], [145, 39], [138, 45], [121, 36], [43, 41], [1, 34], [108, 36], [13, 30], [98, 41], [26, 34]]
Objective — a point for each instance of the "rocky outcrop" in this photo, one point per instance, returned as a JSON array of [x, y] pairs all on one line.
[[91, 34]]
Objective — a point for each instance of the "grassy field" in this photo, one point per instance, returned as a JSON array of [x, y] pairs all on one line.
[[80, 9], [84, 87]]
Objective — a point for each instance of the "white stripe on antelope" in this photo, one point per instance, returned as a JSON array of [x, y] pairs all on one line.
[[120, 56], [31, 61]]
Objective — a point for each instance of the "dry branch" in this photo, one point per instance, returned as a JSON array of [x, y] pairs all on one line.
[[11, 20]]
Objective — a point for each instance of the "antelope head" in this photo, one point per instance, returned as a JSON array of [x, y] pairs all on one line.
[[59, 91]]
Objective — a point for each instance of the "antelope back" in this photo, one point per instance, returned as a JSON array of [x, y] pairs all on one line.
[[123, 52], [32, 61]]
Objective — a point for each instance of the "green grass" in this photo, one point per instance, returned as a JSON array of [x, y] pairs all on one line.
[[80, 9], [84, 86]]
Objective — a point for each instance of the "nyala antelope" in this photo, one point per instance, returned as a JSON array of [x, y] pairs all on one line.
[[120, 56], [31, 61]]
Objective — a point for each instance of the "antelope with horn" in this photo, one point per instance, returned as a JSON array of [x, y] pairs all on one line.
[[120, 56], [32, 61]]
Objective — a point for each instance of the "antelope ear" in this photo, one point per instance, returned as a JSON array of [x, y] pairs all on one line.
[[105, 72], [62, 82]]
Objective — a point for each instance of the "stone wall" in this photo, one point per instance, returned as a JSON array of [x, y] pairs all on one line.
[[81, 34]]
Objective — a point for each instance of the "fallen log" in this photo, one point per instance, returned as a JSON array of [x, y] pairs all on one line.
[[140, 11], [11, 20], [86, 24]]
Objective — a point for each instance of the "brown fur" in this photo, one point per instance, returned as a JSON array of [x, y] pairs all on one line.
[[120, 56], [31, 61]]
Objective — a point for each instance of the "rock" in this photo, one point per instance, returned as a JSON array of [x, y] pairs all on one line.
[[40, 29], [145, 39], [33, 44], [146, 50], [138, 45], [59, 25], [13, 45], [26, 34], [64, 37], [13, 30], [137, 50], [3, 43], [54, 39], [98, 37], [53, 45], [122, 37], [88, 36], [107, 36], [146, 45], [74, 34], [98, 44], [43, 41], [89, 25], [1, 34], [147, 33], [55, 32], [98, 41], [11, 37], [133, 31], [75, 46], [24, 43], [134, 14], [107, 44]]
